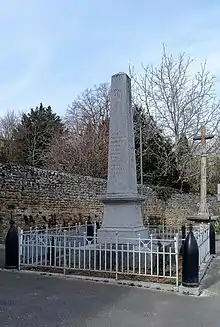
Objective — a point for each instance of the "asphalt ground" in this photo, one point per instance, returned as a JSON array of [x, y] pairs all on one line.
[[28, 299]]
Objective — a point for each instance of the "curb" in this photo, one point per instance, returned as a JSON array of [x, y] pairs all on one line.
[[145, 285], [179, 290], [191, 291]]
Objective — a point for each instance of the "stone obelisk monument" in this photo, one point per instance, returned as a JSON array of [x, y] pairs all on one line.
[[122, 203]]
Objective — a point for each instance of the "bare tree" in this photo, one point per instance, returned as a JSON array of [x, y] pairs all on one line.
[[84, 154], [84, 149], [179, 101], [91, 107], [60, 154], [8, 124]]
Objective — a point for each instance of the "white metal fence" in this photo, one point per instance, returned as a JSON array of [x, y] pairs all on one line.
[[143, 257], [202, 238], [71, 250]]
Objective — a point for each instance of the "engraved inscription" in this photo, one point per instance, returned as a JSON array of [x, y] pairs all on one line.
[[117, 137], [116, 154], [117, 94]]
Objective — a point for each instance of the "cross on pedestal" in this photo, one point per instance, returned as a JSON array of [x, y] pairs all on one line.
[[203, 209]]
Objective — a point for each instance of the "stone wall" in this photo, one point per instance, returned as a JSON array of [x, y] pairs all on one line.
[[34, 197]]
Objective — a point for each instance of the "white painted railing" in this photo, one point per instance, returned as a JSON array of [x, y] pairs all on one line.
[[141, 257], [202, 238], [163, 231], [70, 249]]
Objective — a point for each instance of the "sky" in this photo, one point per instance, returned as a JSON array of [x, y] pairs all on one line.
[[52, 50]]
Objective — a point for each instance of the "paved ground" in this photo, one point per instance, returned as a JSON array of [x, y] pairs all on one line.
[[211, 281], [32, 300], [2, 256], [27, 299]]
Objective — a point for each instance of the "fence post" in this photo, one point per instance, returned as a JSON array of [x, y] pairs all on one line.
[[46, 238], [151, 254], [37, 233], [211, 238], [84, 250], [116, 256], [176, 246], [95, 244], [64, 252], [21, 240], [19, 248], [190, 263], [46, 248], [207, 249], [160, 249], [53, 253], [139, 253]]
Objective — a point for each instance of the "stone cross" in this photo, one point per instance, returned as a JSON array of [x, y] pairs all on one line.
[[122, 203], [203, 209]]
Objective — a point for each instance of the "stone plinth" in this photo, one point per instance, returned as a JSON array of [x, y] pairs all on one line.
[[122, 203], [198, 218], [201, 218]]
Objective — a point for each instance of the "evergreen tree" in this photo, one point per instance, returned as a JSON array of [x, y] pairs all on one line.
[[34, 134], [155, 147]]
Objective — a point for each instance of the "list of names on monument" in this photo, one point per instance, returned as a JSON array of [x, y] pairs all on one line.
[[117, 144]]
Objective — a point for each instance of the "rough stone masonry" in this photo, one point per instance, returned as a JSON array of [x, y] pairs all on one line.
[[35, 196]]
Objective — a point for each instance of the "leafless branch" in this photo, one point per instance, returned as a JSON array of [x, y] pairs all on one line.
[[179, 101]]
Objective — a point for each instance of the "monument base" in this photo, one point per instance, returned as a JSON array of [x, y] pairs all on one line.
[[115, 198], [123, 235], [202, 218], [198, 218], [122, 215]]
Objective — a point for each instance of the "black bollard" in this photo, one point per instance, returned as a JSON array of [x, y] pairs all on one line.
[[190, 263], [97, 225], [90, 230], [211, 238], [183, 230], [11, 247]]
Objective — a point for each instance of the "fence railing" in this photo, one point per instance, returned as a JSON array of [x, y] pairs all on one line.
[[72, 250], [163, 231], [144, 257], [202, 238], [77, 228]]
